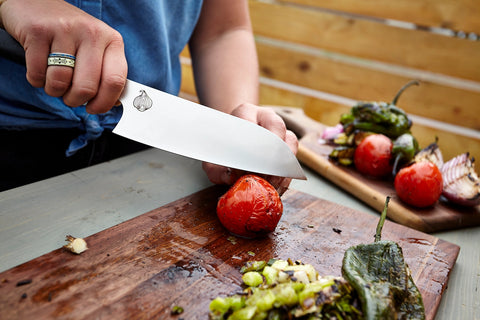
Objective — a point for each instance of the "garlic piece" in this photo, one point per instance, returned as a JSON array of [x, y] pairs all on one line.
[[75, 245]]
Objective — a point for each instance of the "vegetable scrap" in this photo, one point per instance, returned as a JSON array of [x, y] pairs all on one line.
[[376, 284], [336, 230], [24, 282], [75, 245], [176, 310]]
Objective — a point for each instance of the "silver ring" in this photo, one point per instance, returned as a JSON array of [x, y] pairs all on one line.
[[61, 59]]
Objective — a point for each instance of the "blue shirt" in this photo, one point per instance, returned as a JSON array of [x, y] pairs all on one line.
[[154, 33]]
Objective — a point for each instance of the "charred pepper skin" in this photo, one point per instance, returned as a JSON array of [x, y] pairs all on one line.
[[379, 117], [405, 147], [382, 279]]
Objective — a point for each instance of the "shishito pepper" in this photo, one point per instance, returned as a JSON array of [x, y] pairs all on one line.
[[382, 280], [378, 117]]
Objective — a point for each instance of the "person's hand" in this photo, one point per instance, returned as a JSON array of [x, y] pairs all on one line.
[[268, 119], [47, 26]]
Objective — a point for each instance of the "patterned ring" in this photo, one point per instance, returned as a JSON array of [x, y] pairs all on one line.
[[61, 59]]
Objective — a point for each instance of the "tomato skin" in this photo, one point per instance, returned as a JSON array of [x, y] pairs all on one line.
[[419, 184], [250, 208], [373, 156]]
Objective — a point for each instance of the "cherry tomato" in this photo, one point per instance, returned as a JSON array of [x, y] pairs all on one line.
[[373, 156], [419, 184], [250, 208]]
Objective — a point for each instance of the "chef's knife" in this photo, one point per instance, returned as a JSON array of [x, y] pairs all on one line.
[[186, 128]]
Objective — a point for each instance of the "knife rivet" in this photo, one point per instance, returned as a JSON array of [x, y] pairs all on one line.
[[142, 102]]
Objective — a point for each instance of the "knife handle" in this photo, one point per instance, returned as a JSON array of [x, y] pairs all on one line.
[[10, 48]]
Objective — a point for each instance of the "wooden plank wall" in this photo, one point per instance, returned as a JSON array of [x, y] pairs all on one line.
[[323, 56]]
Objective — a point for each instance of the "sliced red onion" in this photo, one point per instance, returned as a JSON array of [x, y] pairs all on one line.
[[331, 133], [460, 181], [431, 153]]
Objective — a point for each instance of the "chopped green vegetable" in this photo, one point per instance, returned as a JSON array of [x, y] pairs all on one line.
[[253, 266], [252, 279], [289, 290]]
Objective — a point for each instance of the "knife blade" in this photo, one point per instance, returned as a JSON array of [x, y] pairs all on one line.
[[180, 126]]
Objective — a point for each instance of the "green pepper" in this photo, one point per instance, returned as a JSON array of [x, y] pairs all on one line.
[[379, 117], [404, 150], [378, 273]]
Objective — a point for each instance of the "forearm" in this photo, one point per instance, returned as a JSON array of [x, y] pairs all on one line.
[[226, 71], [224, 56]]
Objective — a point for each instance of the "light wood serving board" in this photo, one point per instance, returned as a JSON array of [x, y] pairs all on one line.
[[442, 216], [179, 255]]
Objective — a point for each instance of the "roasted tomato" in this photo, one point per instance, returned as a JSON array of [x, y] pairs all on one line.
[[373, 156], [250, 208], [419, 184]]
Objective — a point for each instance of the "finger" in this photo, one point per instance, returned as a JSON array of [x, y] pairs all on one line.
[[292, 141], [113, 77], [221, 175], [36, 55], [265, 117], [246, 111], [271, 121], [283, 186], [86, 78], [59, 78]]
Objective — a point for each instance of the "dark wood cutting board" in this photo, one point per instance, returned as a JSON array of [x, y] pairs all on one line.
[[179, 255], [442, 216]]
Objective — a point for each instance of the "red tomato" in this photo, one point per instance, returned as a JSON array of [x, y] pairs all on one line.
[[373, 156], [250, 208], [419, 184]]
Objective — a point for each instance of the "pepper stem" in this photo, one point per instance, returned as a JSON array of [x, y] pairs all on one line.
[[413, 82], [383, 216]]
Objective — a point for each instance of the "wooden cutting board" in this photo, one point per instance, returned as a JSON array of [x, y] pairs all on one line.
[[179, 255], [442, 216]]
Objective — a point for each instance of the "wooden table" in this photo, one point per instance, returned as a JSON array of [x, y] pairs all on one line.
[[34, 219]]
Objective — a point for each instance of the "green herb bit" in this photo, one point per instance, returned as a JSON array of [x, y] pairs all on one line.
[[176, 310]]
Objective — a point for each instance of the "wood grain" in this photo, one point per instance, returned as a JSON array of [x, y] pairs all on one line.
[[368, 39], [442, 216], [457, 15], [325, 73], [179, 254]]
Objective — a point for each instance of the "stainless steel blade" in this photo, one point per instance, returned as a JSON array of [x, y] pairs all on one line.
[[191, 130], [170, 123]]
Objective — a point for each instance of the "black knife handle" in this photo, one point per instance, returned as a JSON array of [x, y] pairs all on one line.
[[10, 48]]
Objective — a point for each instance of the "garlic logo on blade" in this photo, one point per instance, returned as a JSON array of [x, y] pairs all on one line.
[[142, 102]]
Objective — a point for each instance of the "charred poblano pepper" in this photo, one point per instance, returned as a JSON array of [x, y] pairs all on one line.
[[378, 117], [404, 150], [382, 279]]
